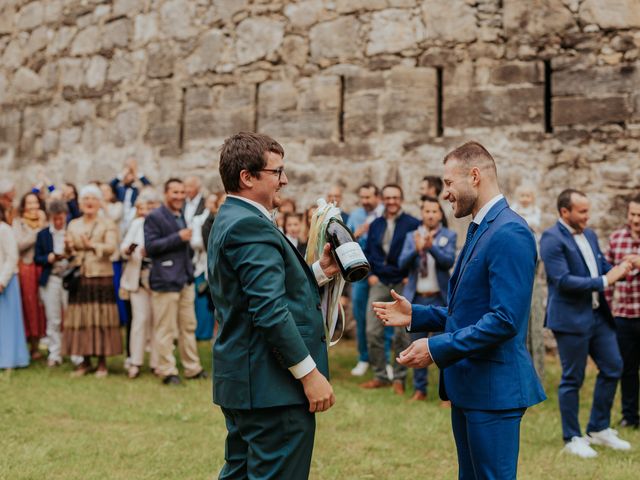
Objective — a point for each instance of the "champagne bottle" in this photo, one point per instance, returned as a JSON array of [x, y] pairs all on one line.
[[347, 252]]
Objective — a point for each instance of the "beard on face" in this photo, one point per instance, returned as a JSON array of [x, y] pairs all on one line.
[[464, 204]]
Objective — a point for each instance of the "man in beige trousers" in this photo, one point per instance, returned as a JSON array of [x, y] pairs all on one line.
[[166, 239]]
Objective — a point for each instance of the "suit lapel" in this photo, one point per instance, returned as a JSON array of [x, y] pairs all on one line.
[[572, 241], [463, 262]]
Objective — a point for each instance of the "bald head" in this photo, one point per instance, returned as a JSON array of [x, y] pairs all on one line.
[[192, 186]]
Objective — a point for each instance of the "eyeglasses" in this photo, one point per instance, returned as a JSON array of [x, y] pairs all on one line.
[[278, 171]]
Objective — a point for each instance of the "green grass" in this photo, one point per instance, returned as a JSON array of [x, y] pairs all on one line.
[[56, 427]]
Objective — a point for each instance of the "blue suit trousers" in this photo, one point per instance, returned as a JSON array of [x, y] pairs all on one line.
[[488, 442], [601, 344]]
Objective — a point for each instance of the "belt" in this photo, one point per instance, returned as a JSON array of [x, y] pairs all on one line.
[[427, 294]]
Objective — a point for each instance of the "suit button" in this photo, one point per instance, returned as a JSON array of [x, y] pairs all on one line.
[[319, 306]]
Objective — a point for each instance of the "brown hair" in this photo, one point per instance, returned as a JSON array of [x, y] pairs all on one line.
[[564, 199], [245, 151], [23, 202], [472, 154], [393, 185]]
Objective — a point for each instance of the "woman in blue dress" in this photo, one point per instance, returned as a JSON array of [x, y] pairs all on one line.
[[13, 344]]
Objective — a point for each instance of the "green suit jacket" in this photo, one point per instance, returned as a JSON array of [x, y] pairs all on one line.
[[268, 307]]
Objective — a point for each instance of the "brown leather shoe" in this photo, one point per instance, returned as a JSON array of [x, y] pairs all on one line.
[[374, 383], [398, 388], [417, 396]]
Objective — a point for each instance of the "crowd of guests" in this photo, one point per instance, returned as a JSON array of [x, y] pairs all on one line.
[[78, 266]]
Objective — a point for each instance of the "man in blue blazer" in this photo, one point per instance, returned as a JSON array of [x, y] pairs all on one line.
[[270, 355], [578, 314], [428, 253], [166, 240], [486, 371], [384, 244]]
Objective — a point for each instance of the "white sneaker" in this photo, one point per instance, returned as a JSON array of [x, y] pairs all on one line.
[[389, 369], [579, 446], [608, 438], [360, 369]]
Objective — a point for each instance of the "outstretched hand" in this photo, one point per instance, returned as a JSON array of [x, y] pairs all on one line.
[[396, 313], [417, 355]]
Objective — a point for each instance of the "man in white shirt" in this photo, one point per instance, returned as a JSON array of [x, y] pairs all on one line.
[[194, 202], [578, 315]]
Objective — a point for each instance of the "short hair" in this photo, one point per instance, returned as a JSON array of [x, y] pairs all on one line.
[[290, 201], [169, 182], [368, 185], [394, 185], [635, 198], [148, 194], [435, 182], [297, 215], [472, 154], [91, 190], [56, 207], [245, 151], [430, 199], [564, 199]]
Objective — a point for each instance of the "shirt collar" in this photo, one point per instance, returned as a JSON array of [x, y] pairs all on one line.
[[485, 209], [54, 231], [196, 199], [260, 207]]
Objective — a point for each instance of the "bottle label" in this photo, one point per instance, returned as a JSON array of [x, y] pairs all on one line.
[[349, 254]]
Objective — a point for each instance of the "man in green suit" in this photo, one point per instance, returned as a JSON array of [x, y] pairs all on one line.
[[270, 355]]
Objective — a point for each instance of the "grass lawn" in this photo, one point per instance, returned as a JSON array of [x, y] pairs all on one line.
[[55, 427]]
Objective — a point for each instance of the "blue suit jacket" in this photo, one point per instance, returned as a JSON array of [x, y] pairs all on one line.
[[171, 265], [569, 304], [482, 355], [44, 246], [384, 265], [443, 251]]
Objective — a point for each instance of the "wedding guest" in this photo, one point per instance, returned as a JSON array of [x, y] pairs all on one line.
[[293, 231], [7, 197], [26, 227], [13, 347], [91, 326], [202, 302], [135, 280], [49, 255], [525, 206]]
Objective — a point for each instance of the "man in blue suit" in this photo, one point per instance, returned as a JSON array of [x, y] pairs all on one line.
[[486, 371], [578, 314], [384, 244], [428, 253]]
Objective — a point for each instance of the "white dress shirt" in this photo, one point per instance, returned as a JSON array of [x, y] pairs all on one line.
[[589, 258], [305, 367], [190, 207]]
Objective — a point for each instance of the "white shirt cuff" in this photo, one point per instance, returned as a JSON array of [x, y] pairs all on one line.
[[408, 327], [605, 282], [303, 368], [321, 278]]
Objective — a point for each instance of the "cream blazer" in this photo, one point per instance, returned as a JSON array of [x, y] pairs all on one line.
[[130, 280], [97, 262], [8, 254]]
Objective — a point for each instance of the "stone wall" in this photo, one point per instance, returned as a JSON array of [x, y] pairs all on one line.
[[355, 89]]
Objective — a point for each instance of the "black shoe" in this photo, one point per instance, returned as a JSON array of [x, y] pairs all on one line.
[[624, 423], [201, 375], [171, 380]]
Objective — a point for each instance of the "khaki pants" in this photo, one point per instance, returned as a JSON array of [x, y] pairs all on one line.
[[54, 298], [171, 310]]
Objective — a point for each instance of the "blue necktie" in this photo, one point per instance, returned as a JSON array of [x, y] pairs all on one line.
[[470, 233]]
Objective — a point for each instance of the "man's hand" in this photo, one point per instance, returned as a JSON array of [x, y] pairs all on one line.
[[619, 271], [634, 259], [361, 230], [51, 258], [185, 234], [328, 264], [318, 391], [373, 280], [86, 242], [419, 241], [396, 313], [417, 355]]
